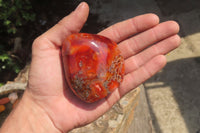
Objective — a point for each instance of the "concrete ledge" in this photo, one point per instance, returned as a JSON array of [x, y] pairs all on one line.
[[117, 119]]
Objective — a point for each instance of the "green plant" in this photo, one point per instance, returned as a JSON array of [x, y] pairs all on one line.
[[7, 63], [15, 13]]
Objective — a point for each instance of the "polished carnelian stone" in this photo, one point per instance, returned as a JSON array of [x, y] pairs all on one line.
[[93, 65]]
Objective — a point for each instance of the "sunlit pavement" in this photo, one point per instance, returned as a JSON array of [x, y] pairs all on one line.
[[173, 94]]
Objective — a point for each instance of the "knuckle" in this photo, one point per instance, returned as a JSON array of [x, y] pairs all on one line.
[[39, 43], [36, 42]]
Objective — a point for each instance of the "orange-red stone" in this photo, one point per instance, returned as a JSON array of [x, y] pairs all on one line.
[[2, 108], [93, 65], [4, 100]]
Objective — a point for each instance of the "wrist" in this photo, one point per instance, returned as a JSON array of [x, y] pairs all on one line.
[[28, 117]]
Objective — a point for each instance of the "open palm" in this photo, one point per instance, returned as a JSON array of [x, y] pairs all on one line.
[[142, 41]]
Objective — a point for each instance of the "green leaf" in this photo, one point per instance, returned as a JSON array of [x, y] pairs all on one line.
[[4, 57], [17, 69], [12, 30], [1, 84], [7, 22]]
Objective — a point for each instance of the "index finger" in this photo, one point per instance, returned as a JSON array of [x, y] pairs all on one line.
[[122, 30]]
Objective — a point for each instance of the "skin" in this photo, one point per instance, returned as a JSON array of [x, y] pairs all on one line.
[[48, 105]]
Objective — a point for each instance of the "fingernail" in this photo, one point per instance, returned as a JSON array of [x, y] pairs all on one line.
[[79, 6]]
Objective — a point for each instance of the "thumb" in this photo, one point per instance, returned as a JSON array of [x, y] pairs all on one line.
[[68, 25]]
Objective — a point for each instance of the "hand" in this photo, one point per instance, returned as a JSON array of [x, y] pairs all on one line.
[[142, 41]]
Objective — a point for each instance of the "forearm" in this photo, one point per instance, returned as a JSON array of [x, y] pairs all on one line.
[[28, 117]]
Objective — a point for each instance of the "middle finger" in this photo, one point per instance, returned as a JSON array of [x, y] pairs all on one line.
[[139, 42]]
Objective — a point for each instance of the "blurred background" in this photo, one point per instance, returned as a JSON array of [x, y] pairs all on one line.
[[173, 94]]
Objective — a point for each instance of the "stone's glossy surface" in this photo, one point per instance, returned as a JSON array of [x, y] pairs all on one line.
[[93, 65]]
